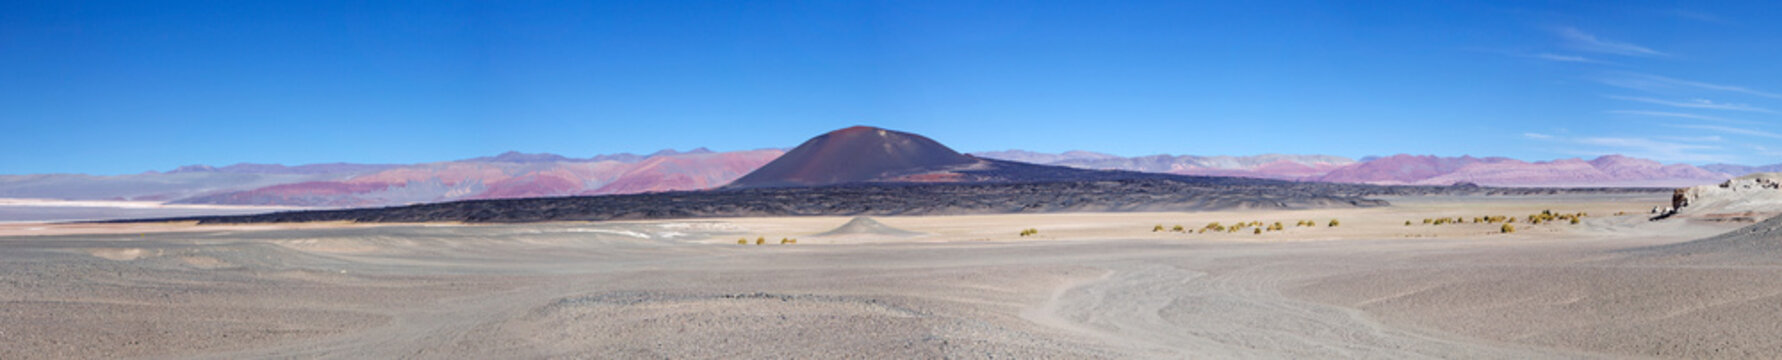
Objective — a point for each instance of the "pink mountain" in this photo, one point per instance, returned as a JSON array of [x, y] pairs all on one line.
[[1279, 169], [1402, 169], [848, 155], [509, 176], [1611, 170]]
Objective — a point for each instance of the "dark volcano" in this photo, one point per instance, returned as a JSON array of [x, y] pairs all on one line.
[[866, 171], [856, 155]]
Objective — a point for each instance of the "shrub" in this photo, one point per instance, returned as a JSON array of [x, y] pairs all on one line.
[[1334, 223], [1157, 228], [744, 241], [1407, 223], [761, 240], [1428, 221], [1507, 228], [1178, 228], [1574, 221], [1258, 231]]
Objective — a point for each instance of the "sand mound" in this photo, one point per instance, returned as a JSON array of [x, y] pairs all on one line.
[[1758, 243], [1746, 198], [867, 226]]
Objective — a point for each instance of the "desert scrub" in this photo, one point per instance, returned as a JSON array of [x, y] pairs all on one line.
[[1334, 223], [743, 241], [1507, 228]]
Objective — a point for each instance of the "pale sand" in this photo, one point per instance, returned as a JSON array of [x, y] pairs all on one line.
[[1087, 286]]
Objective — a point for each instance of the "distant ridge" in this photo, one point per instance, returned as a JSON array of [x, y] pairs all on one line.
[[1403, 169], [859, 171], [522, 175]]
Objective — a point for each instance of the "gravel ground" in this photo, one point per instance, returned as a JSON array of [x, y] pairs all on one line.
[[1088, 286]]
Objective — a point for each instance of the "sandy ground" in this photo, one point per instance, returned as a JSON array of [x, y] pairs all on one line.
[[16, 210], [1086, 286]]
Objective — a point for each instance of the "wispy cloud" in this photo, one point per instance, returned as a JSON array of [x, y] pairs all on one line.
[[1582, 41], [1566, 58], [1693, 104], [1668, 150], [1699, 139], [1729, 130], [1654, 82], [1765, 151], [1678, 115]]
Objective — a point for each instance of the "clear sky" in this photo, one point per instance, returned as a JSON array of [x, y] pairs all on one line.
[[107, 88]]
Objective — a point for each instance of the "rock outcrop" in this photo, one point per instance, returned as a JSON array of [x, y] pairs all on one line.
[[1746, 198]]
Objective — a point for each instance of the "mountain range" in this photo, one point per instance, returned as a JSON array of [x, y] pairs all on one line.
[[890, 157], [508, 175], [1609, 170], [872, 171]]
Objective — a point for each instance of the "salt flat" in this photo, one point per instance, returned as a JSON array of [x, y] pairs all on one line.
[[1090, 285]]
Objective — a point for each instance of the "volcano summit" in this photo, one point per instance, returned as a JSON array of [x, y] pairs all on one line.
[[854, 155]]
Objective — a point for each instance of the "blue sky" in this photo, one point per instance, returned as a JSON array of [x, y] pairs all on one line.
[[107, 88]]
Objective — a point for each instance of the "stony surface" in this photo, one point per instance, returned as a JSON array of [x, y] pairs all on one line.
[[1089, 285], [1120, 192]]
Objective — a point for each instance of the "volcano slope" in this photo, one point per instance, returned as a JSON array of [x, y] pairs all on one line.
[[1149, 192]]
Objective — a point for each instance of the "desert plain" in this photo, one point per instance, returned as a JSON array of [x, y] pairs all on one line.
[[1085, 285]]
